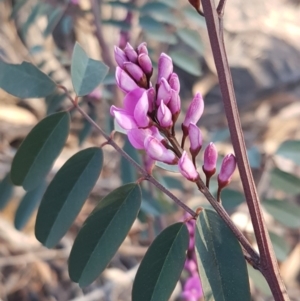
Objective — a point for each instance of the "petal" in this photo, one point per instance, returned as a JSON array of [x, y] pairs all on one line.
[[138, 136], [141, 111], [131, 99], [125, 120], [124, 81]]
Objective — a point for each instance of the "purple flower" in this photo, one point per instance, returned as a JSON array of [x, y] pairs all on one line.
[[164, 115], [137, 136], [157, 151], [136, 73], [131, 53], [165, 67], [187, 168], [227, 169], [192, 288], [164, 92], [174, 82], [193, 113], [210, 159], [195, 139], [134, 113], [124, 81], [145, 63]]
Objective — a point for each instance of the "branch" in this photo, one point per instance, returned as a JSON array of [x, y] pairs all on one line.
[[269, 264], [111, 142]]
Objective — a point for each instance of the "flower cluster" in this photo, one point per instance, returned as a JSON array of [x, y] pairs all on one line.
[[192, 290], [149, 114]]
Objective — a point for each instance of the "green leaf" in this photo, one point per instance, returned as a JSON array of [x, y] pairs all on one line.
[[254, 157], [86, 73], [103, 232], [152, 7], [280, 246], [53, 102], [259, 281], [284, 212], [186, 62], [128, 172], [290, 150], [38, 151], [220, 258], [6, 191], [156, 30], [231, 199], [191, 15], [191, 38], [28, 205], [285, 181], [127, 5], [53, 20], [125, 26], [25, 80], [66, 195], [162, 265]]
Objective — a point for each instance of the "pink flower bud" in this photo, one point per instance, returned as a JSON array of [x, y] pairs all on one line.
[[187, 168], [210, 160], [165, 67], [195, 139], [157, 151], [131, 53], [120, 56], [227, 169], [174, 104], [136, 73], [164, 115], [145, 63], [164, 92], [124, 81], [193, 113], [142, 48], [151, 99], [174, 82]]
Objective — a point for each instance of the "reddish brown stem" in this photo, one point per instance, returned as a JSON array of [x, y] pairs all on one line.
[[269, 266]]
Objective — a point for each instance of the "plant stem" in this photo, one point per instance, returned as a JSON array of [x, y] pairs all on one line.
[[111, 142], [269, 267], [220, 210]]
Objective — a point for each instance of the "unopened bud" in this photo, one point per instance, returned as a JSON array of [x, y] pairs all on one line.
[[151, 98], [227, 169], [174, 105], [165, 67], [193, 113], [210, 160], [131, 53], [145, 63], [174, 82], [163, 92], [187, 168], [120, 56], [136, 73], [195, 139], [164, 116], [142, 48]]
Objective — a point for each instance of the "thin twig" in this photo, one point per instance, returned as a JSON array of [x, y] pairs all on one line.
[[269, 266], [144, 173]]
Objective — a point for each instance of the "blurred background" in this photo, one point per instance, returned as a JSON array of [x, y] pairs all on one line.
[[263, 46]]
